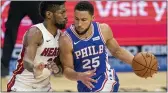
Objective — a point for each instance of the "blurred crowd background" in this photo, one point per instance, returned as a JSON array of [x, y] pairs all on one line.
[[136, 25]]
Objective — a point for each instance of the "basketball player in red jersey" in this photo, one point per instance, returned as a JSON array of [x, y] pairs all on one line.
[[40, 50]]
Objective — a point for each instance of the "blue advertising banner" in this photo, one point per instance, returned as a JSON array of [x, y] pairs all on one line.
[[158, 50]]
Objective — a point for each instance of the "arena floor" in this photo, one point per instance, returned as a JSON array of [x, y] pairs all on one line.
[[128, 82]]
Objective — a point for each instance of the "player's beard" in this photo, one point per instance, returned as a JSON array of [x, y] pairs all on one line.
[[60, 26], [83, 32]]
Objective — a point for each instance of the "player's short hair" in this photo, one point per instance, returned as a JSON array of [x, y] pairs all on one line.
[[85, 6], [49, 6]]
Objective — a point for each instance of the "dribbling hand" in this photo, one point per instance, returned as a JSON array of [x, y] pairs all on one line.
[[86, 79]]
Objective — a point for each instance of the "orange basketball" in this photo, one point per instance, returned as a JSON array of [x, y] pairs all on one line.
[[145, 64]]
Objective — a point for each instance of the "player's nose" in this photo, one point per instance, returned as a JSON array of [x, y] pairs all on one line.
[[79, 24]]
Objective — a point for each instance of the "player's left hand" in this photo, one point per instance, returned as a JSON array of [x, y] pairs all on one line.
[[53, 67], [86, 79]]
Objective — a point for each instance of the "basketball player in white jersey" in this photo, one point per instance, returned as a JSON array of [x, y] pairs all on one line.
[[40, 50]]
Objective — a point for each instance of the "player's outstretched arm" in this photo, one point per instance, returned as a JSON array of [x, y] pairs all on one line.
[[114, 47], [66, 58], [32, 39], [68, 67]]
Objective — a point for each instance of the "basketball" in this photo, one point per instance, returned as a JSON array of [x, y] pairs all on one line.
[[144, 64]]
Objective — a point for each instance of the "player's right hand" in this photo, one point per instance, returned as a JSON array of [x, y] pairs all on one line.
[[38, 69], [86, 79]]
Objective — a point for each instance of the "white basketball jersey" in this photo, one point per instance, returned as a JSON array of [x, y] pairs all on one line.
[[47, 51]]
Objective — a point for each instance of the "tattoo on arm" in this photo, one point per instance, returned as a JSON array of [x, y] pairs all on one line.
[[32, 39], [28, 65]]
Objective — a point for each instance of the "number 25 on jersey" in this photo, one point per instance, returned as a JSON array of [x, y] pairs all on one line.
[[91, 63]]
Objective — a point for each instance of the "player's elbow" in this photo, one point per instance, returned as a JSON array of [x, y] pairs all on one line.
[[64, 71], [117, 52], [123, 55]]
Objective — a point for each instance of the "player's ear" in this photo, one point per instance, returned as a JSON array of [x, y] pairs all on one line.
[[49, 14], [93, 17]]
